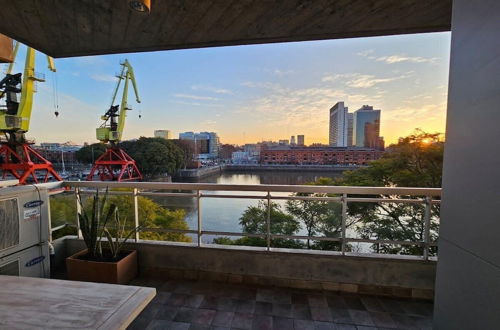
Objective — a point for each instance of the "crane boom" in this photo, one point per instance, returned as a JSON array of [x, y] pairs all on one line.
[[16, 117], [112, 129]]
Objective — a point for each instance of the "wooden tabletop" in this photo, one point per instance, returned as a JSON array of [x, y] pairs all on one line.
[[38, 303]]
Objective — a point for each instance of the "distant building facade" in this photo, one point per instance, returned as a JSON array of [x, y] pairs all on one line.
[[350, 128], [163, 133], [292, 140], [300, 140], [206, 144], [319, 156], [366, 128], [338, 125]]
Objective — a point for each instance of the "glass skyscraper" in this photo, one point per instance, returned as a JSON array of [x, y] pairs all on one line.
[[366, 128]]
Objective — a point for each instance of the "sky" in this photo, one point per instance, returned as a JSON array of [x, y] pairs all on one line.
[[251, 93]]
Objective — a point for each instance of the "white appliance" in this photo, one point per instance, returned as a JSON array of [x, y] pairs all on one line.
[[24, 231]]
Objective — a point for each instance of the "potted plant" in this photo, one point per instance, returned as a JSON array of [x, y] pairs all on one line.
[[102, 261]]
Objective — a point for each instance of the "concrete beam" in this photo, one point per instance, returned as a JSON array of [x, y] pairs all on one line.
[[63, 28]]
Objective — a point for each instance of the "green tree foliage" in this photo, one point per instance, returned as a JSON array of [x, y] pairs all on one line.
[[317, 216], [254, 221], [151, 215], [415, 161], [155, 156], [89, 153]]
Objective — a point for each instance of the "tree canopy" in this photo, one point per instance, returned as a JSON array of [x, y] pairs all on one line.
[[155, 156]]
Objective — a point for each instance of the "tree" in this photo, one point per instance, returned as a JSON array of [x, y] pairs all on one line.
[[318, 216], [254, 221], [89, 153], [155, 156], [151, 215], [415, 161]]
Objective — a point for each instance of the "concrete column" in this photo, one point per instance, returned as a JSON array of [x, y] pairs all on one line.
[[468, 272]]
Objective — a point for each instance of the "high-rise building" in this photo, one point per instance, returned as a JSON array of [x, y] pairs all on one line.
[[300, 140], [292, 140], [163, 133], [208, 140], [338, 125], [366, 127], [350, 118]]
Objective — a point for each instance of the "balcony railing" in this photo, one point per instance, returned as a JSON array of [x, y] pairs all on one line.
[[426, 197]]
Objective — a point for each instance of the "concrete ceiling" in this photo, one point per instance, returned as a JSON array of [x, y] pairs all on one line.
[[63, 28]]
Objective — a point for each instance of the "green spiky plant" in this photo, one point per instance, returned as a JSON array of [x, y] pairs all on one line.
[[94, 227]]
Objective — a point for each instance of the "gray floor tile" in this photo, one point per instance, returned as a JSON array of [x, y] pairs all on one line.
[[303, 325], [282, 323], [245, 306], [167, 313], [223, 319], [383, 320], [319, 325], [321, 314], [184, 314], [242, 321], [193, 301], [262, 322], [263, 308], [282, 310], [301, 312], [317, 301], [160, 325], [204, 316], [226, 304], [361, 317], [221, 306]]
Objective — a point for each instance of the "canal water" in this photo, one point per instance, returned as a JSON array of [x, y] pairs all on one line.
[[223, 214]]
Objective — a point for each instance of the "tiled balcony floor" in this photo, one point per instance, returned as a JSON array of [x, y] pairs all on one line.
[[212, 305]]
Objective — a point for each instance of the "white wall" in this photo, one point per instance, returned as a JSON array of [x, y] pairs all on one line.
[[468, 274]]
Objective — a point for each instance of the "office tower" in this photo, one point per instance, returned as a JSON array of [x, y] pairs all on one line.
[[350, 118], [163, 133], [338, 125], [300, 140], [366, 127], [292, 140]]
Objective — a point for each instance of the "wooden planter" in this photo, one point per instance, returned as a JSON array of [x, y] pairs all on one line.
[[120, 272]]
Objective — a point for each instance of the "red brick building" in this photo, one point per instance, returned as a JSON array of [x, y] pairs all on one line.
[[318, 155]]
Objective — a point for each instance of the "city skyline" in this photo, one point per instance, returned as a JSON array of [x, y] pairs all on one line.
[[252, 93]]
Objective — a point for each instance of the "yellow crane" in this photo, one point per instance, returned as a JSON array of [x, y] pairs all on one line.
[[16, 155], [115, 164], [111, 130]]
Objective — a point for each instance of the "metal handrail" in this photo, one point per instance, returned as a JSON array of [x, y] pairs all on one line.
[[340, 194]]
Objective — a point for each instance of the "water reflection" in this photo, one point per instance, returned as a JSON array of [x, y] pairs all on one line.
[[220, 214]]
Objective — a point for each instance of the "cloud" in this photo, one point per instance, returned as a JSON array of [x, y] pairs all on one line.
[[211, 89], [367, 81], [365, 53], [337, 76], [208, 122], [279, 72], [196, 97], [103, 77], [403, 58]]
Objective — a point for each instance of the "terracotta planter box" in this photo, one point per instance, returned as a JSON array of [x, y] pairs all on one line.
[[120, 272]]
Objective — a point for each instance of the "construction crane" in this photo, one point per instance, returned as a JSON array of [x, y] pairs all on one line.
[[115, 164], [17, 157]]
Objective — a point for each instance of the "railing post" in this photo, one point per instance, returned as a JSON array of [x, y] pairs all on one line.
[[136, 214], [198, 206], [427, 226], [344, 220], [268, 221], [78, 211]]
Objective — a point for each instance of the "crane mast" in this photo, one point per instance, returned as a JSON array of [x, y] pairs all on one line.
[[112, 129], [17, 158], [115, 164]]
